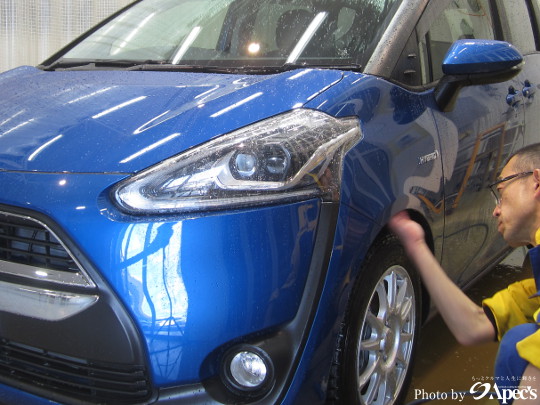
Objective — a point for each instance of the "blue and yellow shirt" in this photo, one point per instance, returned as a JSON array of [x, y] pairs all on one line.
[[518, 304]]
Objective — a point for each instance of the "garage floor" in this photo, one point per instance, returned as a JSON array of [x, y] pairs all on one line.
[[443, 366]]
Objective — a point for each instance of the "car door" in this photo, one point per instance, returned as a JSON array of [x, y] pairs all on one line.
[[477, 134], [524, 31]]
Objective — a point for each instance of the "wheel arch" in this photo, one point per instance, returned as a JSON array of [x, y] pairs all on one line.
[[420, 219], [383, 238]]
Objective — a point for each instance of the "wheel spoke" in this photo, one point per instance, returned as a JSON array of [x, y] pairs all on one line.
[[391, 384], [374, 388], [384, 301], [402, 356], [402, 296], [406, 338], [381, 389], [392, 281], [405, 310], [372, 344], [377, 325], [371, 372]]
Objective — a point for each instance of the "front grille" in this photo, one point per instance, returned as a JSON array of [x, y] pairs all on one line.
[[30, 250], [28, 242], [76, 378]]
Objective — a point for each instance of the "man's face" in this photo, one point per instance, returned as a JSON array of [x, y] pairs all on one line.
[[516, 209]]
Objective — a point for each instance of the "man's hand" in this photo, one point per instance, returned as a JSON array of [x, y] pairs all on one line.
[[409, 232]]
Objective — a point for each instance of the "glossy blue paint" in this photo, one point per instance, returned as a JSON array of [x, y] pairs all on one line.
[[117, 122], [467, 57], [394, 120], [198, 284]]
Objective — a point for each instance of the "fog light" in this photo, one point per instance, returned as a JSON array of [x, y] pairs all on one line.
[[248, 369]]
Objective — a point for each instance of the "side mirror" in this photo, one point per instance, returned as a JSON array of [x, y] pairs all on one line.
[[475, 62]]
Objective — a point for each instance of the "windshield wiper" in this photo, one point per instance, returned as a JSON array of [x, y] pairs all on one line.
[[170, 67], [251, 70], [148, 65], [161, 66], [81, 64]]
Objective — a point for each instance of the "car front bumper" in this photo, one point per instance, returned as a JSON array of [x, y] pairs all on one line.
[[173, 295]]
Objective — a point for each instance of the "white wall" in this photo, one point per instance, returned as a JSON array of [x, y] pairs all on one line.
[[32, 30]]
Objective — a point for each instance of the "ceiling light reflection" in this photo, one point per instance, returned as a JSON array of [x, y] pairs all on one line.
[[118, 107], [133, 33], [147, 125], [43, 147], [12, 117], [150, 147], [236, 105], [254, 48], [95, 93], [306, 37], [192, 36], [22, 124]]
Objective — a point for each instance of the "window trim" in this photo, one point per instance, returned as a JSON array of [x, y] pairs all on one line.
[[533, 15]]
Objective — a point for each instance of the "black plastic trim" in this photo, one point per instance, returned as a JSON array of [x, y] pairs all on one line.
[[102, 334]]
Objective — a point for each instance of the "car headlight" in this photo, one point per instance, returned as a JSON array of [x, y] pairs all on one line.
[[289, 157]]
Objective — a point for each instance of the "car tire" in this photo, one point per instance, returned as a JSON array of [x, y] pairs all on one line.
[[375, 350]]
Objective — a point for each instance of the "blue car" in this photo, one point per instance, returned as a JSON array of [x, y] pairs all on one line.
[[195, 195]]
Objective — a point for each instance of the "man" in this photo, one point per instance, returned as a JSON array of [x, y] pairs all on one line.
[[512, 315]]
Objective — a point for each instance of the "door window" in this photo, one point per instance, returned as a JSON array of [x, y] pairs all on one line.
[[534, 12], [462, 19]]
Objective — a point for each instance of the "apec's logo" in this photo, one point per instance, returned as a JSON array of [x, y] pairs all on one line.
[[486, 390]]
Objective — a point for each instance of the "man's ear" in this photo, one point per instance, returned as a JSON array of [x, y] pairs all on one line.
[[536, 176]]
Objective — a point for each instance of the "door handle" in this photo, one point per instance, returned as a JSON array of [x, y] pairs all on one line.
[[527, 91], [514, 97]]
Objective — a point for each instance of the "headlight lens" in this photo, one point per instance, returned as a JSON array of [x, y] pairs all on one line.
[[290, 157]]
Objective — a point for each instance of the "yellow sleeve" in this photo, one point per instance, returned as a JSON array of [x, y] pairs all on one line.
[[529, 348], [512, 306]]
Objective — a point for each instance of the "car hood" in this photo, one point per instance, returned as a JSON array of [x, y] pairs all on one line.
[[125, 121]]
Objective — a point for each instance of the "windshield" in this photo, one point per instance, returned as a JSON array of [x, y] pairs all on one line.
[[239, 33]]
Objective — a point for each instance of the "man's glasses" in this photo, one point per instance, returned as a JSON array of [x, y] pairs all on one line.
[[493, 187]]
